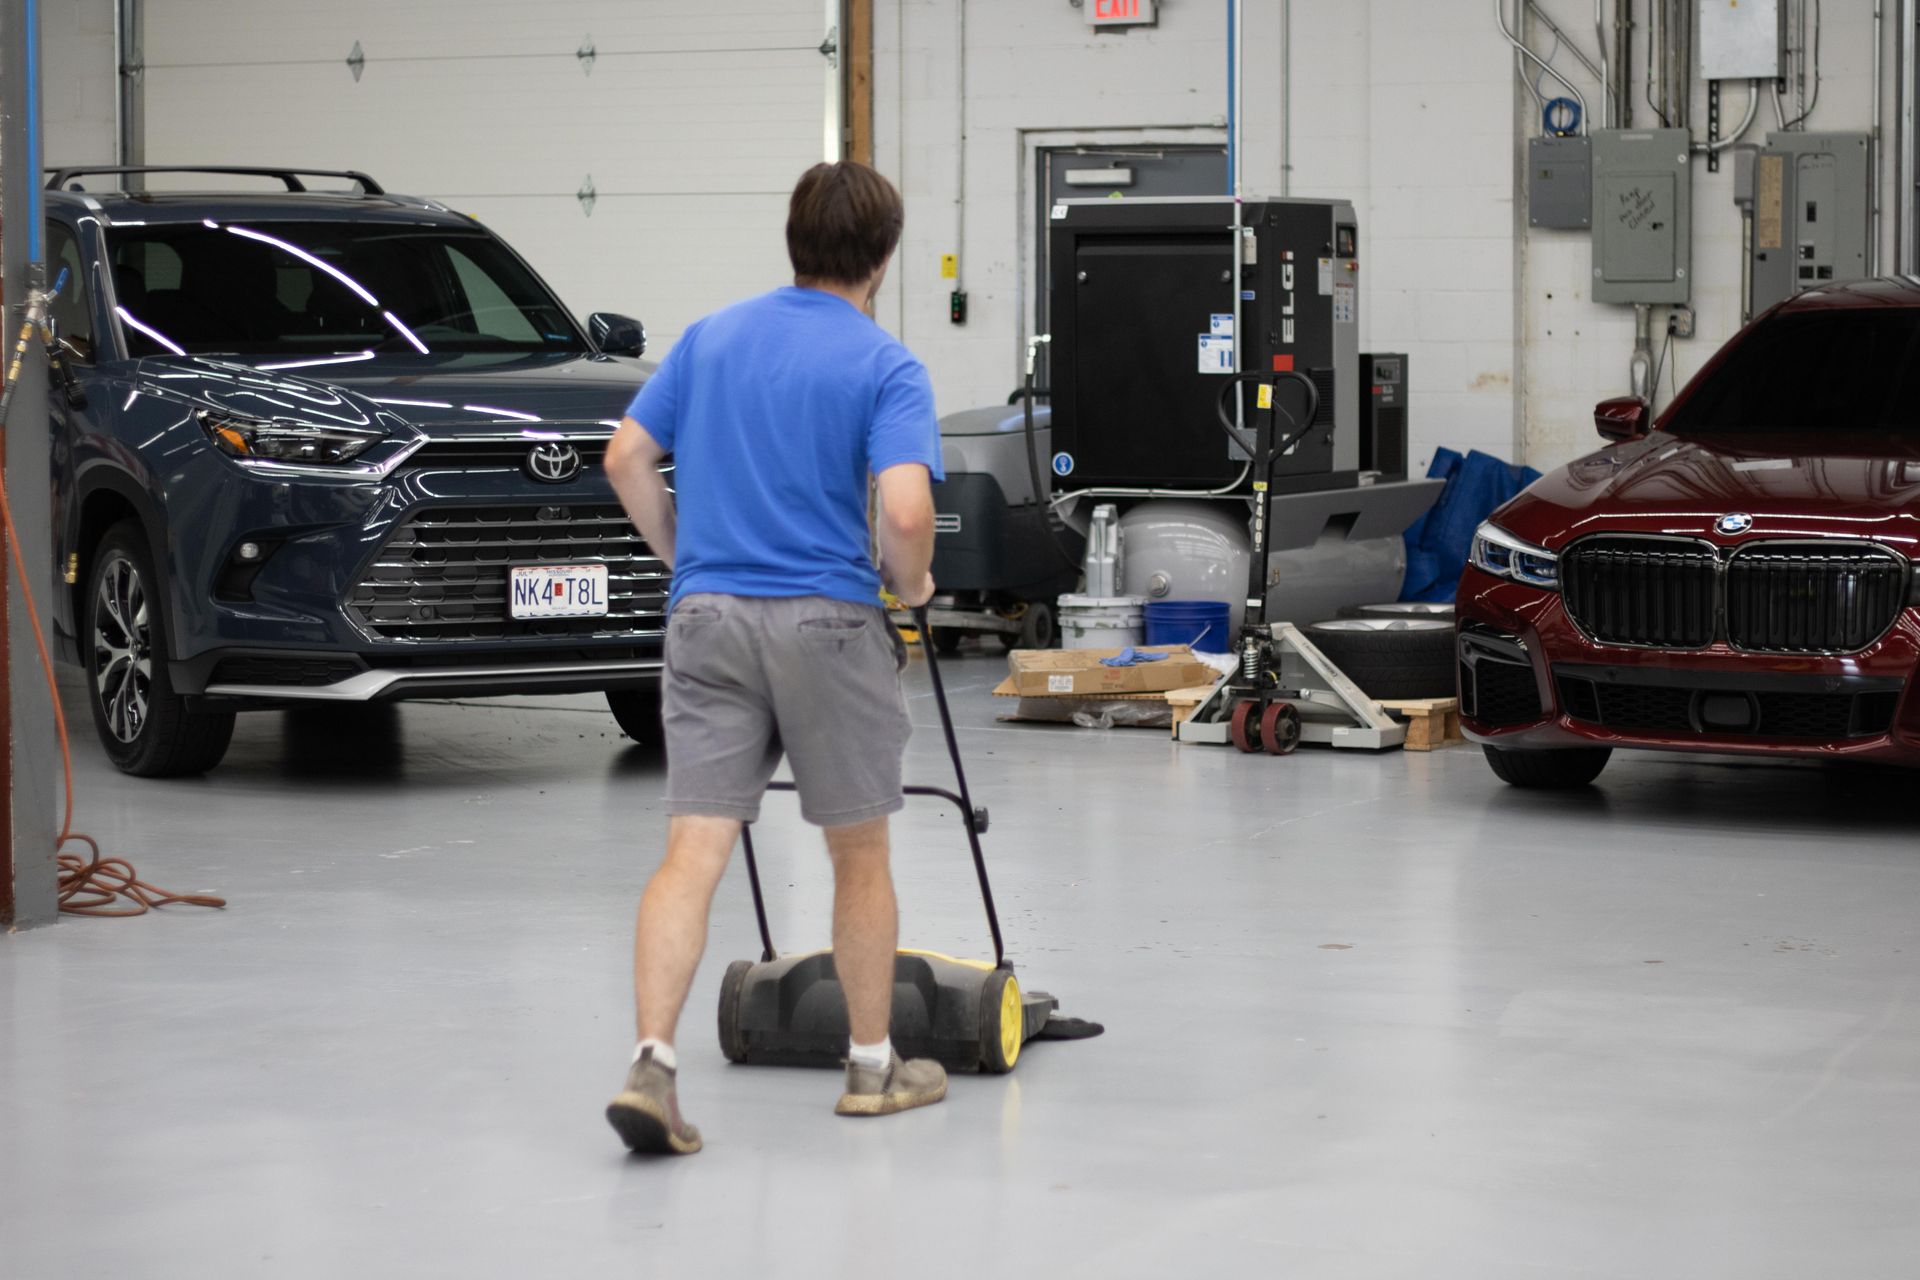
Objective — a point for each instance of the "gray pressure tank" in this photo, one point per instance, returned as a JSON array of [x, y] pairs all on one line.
[[1180, 549]]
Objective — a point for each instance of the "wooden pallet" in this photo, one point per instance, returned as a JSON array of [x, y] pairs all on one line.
[[1432, 723]]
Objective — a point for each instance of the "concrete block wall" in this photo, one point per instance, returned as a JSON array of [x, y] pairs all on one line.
[[79, 88]]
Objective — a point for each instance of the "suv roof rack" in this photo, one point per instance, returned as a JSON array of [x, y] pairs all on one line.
[[57, 179]]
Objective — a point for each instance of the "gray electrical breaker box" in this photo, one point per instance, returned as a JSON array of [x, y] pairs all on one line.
[[1642, 210], [1810, 213], [1560, 183], [1741, 39]]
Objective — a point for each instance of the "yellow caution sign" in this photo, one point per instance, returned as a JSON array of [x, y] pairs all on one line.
[[1266, 395]]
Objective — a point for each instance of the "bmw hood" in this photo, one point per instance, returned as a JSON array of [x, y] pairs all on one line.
[[1728, 489]]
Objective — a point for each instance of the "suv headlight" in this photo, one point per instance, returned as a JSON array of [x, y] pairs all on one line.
[[1499, 553], [286, 439]]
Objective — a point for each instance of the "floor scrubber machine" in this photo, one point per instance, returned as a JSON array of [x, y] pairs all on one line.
[[970, 1015]]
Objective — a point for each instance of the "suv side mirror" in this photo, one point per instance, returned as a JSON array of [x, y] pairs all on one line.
[[617, 335], [1622, 418]]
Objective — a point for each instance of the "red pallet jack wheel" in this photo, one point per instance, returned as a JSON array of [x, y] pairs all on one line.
[[1279, 728], [1243, 728]]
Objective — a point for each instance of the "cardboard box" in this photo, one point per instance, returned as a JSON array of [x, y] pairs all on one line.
[[1043, 673]]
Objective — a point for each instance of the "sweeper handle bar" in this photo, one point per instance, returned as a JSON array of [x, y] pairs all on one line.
[[974, 819]]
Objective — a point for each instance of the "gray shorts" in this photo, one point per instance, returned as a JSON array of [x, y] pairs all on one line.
[[749, 678]]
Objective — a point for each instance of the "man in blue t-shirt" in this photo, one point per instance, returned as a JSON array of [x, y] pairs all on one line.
[[777, 412]]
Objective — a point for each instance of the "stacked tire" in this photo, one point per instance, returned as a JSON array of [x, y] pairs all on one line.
[[1393, 651]]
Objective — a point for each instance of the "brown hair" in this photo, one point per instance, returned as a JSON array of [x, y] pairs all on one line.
[[843, 221]]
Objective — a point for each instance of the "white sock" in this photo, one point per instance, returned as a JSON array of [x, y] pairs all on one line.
[[872, 1057], [662, 1053]]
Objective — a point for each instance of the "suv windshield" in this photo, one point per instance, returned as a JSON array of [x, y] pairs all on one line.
[[1841, 369], [328, 287]]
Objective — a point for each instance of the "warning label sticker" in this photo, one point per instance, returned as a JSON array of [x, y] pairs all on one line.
[[1326, 276], [1216, 354]]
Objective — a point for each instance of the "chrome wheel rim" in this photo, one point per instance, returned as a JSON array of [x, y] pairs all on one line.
[[122, 650], [1409, 609]]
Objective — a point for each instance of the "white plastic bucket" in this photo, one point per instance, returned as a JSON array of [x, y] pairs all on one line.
[[1102, 622]]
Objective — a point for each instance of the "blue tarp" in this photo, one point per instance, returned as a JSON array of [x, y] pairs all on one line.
[[1438, 542]]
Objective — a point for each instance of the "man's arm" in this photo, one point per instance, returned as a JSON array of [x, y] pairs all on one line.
[[906, 532], [633, 464]]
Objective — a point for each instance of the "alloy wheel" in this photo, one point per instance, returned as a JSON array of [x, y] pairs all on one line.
[[122, 649]]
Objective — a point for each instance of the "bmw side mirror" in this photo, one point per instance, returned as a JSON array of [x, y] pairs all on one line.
[[617, 335], [1622, 418]]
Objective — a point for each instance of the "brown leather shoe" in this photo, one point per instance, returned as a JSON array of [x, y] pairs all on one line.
[[919, 1083], [646, 1114]]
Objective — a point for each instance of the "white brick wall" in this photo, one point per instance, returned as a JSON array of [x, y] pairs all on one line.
[[77, 96]]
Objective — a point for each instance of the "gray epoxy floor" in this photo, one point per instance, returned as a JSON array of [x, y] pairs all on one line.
[[1368, 1017]]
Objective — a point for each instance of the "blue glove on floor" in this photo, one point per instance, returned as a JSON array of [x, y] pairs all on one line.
[[1130, 657]]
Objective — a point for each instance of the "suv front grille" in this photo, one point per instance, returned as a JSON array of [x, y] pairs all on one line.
[[494, 455], [1766, 597], [442, 576]]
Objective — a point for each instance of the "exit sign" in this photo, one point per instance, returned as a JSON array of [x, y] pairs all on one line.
[[1120, 13]]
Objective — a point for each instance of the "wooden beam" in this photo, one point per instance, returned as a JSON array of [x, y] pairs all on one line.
[[859, 55]]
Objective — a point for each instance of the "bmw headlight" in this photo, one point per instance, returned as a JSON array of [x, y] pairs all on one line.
[[286, 439], [1499, 553]]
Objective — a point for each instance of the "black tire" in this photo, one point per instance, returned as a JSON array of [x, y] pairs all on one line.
[[946, 640], [146, 728], [1390, 657], [1552, 770], [1036, 627], [1001, 1022], [638, 713], [1402, 609], [732, 1043]]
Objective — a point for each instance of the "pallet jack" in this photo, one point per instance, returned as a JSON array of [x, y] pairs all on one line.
[[1285, 691], [967, 1014]]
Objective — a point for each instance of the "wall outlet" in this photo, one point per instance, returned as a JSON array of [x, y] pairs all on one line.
[[1680, 322]]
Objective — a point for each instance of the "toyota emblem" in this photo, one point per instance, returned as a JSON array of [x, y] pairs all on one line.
[[553, 462], [1734, 522]]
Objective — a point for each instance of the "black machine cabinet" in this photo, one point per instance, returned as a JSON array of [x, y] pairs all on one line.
[[1383, 414], [1142, 306]]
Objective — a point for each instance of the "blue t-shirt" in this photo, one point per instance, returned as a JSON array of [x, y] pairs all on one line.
[[775, 411]]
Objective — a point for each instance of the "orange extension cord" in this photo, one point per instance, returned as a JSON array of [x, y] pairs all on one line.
[[87, 886]]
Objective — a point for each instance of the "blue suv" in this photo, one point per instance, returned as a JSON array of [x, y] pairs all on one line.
[[329, 446]]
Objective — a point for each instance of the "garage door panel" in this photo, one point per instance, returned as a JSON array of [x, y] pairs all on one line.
[[694, 122], [205, 33], [636, 255], [457, 127]]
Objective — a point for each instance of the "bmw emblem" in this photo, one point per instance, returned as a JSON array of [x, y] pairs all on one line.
[[1734, 522], [553, 462]]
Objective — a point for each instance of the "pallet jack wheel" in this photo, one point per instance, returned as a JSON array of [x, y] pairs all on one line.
[[1002, 1022], [732, 1043], [1242, 729], [1280, 728]]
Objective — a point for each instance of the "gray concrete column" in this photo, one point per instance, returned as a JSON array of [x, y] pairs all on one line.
[[34, 750]]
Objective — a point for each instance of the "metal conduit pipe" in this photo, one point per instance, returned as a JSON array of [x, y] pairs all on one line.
[[1566, 41], [1606, 75], [1873, 140], [1903, 176], [1640, 366], [1500, 16], [1746, 123]]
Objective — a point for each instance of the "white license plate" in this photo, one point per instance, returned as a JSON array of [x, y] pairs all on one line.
[[557, 590]]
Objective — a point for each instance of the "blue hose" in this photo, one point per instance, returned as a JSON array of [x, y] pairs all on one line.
[[1570, 122]]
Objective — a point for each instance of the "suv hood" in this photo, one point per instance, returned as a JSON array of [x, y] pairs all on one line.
[[1862, 486], [442, 395]]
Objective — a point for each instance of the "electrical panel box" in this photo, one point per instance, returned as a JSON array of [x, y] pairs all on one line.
[[1642, 211], [1560, 183], [1811, 213], [1383, 415], [1742, 39], [1142, 297]]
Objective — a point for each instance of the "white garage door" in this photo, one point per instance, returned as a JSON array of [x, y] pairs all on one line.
[[689, 124]]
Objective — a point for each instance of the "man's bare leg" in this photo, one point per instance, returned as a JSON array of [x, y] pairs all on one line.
[[866, 926], [671, 929], [669, 936], [866, 929]]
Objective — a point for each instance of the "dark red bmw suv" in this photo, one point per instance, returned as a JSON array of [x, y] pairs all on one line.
[[1735, 577]]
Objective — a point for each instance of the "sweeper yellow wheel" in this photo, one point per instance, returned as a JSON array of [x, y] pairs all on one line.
[[1002, 1022]]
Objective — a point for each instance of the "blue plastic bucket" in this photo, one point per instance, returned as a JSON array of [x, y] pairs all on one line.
[[1201, 624]]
